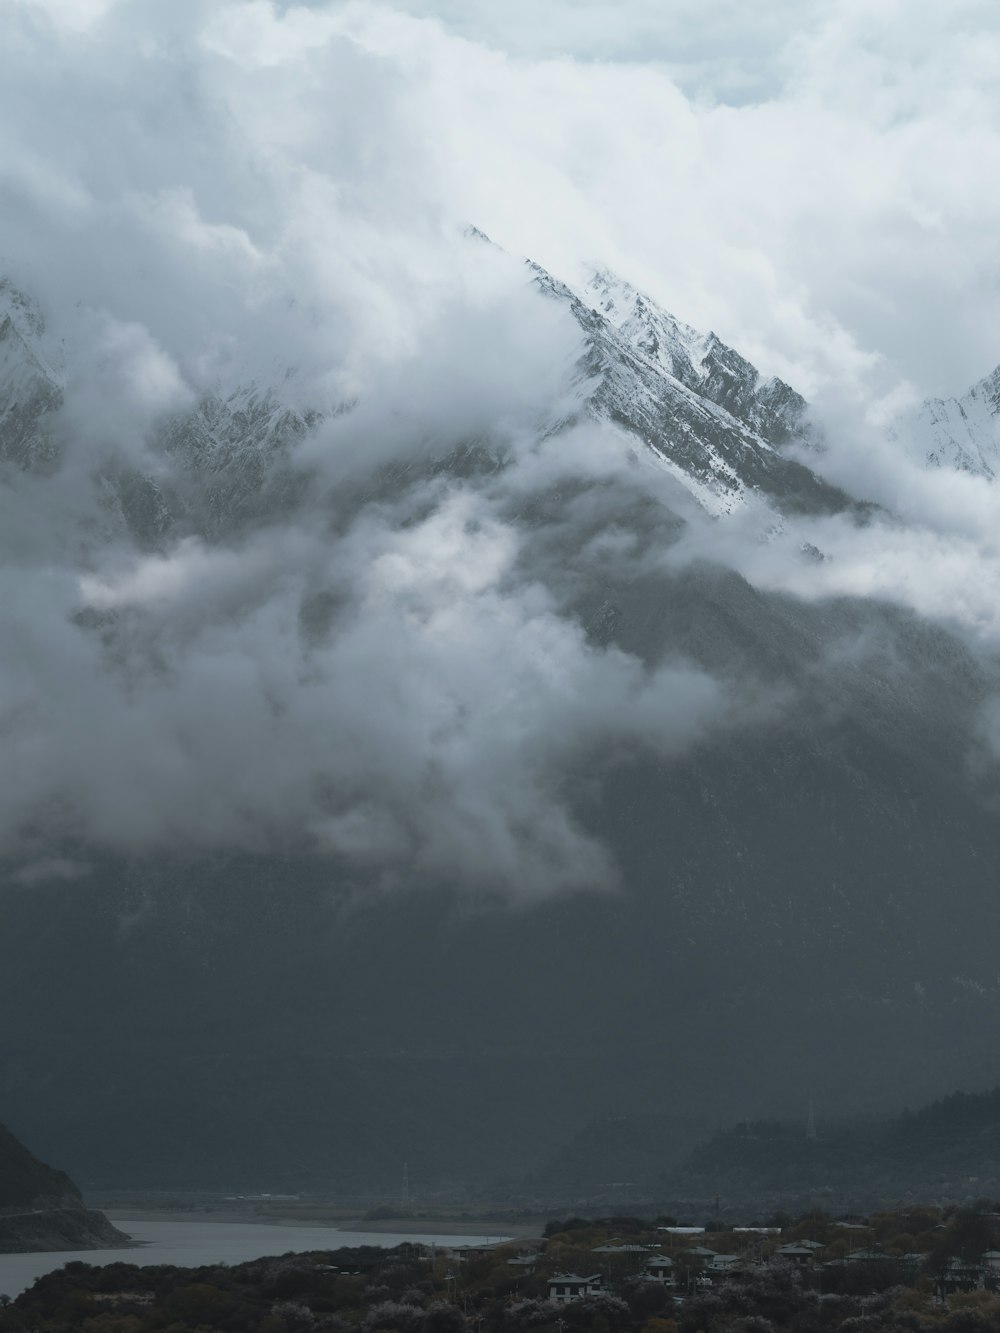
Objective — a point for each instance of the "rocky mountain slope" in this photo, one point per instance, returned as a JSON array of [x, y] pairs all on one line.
[[41, 1209]]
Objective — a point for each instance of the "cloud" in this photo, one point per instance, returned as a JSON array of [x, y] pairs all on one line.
[[74, 15], [394, 698], [720, 45], [375, 658], [929, 543], [368, 671], [821, 226]]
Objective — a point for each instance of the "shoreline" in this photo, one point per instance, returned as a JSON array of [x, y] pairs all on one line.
[[402, 1226]]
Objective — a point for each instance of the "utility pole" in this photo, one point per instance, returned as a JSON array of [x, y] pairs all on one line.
[[404, 1197]]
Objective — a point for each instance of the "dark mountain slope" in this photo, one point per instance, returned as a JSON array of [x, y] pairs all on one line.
[[948, 1150], [807, 909], [41, 1209]]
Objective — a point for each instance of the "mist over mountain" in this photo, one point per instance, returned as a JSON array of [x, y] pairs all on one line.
[[779, 813], [448, 699]]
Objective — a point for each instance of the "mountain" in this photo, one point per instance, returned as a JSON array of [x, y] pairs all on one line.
[[947, 1151], [41, 1209], [803, 902], [702, 408], [961, 433]]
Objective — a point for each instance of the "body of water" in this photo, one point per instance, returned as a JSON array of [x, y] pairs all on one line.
[[190, 1244]]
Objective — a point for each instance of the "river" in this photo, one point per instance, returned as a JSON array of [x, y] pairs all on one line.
[[190, 1244]]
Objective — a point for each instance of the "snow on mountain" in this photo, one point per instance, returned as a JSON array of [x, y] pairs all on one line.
[[702, 362], [701, 407], [961, 433]]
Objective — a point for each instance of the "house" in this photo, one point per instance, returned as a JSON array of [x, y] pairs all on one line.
[[796, 1254], [916, 1260], [959, 1276], [722, 1263], [710, 1263], [523, 1260], [565, 1287], [660, 1268], [459, 1253]]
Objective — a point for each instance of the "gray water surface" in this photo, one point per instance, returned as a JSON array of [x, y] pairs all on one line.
[[191, 1244]]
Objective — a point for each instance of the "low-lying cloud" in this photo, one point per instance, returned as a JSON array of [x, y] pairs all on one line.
[[394, 695]]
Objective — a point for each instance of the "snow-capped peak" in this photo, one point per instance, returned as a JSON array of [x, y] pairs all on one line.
[[702, 362], [961, 433]]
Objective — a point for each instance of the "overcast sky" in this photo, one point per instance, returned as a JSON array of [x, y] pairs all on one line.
[[201, 193]]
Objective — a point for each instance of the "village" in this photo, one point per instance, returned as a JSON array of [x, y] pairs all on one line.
[[943, 1252]]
